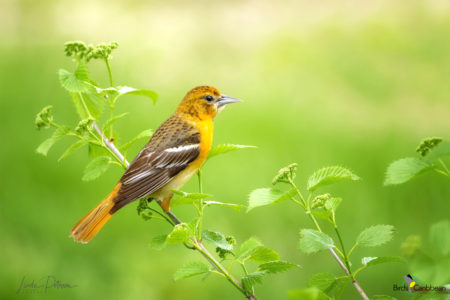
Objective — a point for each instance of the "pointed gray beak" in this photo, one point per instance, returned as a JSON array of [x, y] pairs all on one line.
[[227, 99]]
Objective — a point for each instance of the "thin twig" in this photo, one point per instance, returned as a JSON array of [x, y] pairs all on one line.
[[217, 265]]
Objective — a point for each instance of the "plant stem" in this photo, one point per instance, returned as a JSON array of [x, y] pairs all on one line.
[[109, 72], [221, 269], [198, 245], [347, 263], [333, 253]]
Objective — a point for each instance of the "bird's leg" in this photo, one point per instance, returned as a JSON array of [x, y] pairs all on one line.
[[165, 205]]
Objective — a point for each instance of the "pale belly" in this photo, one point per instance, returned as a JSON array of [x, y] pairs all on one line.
[[176, 183]]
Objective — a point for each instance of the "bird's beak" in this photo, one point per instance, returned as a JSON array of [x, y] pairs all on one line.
[[224, 99]]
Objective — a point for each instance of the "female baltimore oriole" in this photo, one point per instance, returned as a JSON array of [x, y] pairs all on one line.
[[174, 153]]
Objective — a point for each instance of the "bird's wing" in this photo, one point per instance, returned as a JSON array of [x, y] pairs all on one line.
[[169, 151]]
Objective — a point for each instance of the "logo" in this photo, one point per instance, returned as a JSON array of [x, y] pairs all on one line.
[[412, 285]]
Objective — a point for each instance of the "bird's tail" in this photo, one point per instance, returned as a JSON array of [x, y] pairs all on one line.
[[88, 227]]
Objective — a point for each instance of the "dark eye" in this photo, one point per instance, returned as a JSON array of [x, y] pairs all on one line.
[[209, 98]]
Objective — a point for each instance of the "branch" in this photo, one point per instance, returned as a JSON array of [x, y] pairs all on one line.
[[354, 282], [209, 257]]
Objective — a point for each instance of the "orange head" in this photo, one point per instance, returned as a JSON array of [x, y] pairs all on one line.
[[204, 102]]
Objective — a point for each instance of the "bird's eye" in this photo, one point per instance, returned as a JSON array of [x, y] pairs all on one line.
[[209, 98]]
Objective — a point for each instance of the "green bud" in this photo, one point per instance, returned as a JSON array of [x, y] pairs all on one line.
[[286, 174], [142, 205], [320, 200], [43, 118], [84, 125], [427, 144]]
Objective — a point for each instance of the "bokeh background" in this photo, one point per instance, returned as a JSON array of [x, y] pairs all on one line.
[[354, 83]]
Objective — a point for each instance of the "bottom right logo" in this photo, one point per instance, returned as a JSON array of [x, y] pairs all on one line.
[[412, 285]]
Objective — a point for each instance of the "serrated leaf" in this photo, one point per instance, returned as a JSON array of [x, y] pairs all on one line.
[[217, 239], [247, 247], [179, 234], [96, 167], [45, 146], [126, 90], [70, 82], [225, 148], [405, 169], [372, 261], [190, 269], [311, 293], [74, 147], [250, 280], [262, 255], [89, 104], [332, 204], [236, 207], [267, 196], [143, 134], [440, 237], [329, 175], [158, 242], [312, 241], [321, 280], [375, 235], [276, 266]]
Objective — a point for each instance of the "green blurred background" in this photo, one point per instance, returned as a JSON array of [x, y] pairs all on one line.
[[354, 83]]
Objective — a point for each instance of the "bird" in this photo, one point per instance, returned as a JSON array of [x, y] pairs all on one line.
[[174, 153]]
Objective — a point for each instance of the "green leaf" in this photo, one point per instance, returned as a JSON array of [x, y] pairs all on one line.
[[45, 146], [405, 169], [267, 196], [126, 90], [158, 242], [312, 241], [96, 167], [143, 134], [179, 234], [321, 280], [95, 150], [236, 207], [182, 198], [262, 255], [247, 247], [375, 235], [372, 261], [190, 269], [74, 147], [311, 293], [89, 104], [329, 175], [441, 150], [70, 82], [217, 239], [276, 267], [332, 204], [250, 280], [225, 148], [286, 174], [440, 237]]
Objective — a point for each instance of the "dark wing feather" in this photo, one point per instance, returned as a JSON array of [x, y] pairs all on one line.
[[170, 150]]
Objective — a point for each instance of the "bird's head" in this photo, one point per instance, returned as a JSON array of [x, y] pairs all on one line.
[[204, 102]]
